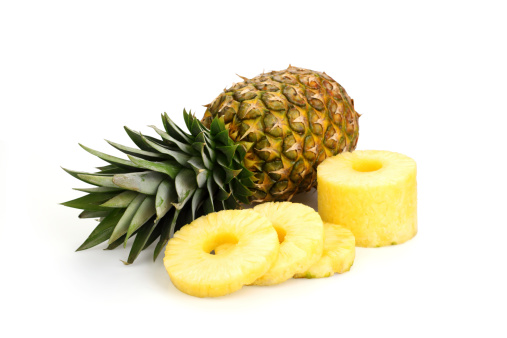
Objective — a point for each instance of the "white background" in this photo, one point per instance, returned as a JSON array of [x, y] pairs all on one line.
[[429, 79]]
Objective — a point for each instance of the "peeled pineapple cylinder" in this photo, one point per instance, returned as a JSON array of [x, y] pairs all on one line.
[[371, 192]]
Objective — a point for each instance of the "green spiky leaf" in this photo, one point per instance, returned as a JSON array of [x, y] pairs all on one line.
[[186, 148], [144, 154], [185, 184], [195, 128], [122, 200], [100, 180], [112, 159], [169, 223], [136, 138], [223, 138], [99, 189], [91, 201], [170, 168], [178, 156], [188, 118], [239, 189], [141, 240], [175, 131], [103, 231], [144, 182], [93, 214], [228, 151], [156, 233], [145, 211], [202, 177], [123, 224], [166, 195]]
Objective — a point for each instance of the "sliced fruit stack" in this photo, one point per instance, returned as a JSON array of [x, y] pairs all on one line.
[[338, 254], [301, 235], [219, 253]]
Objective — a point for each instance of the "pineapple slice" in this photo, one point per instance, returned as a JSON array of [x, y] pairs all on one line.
[[195, 270], [371, 192], [338, 255], [301, 236]]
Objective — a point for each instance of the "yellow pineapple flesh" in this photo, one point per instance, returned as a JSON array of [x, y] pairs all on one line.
[[197, 269], [301, 236], [371, 192], [338, 255]]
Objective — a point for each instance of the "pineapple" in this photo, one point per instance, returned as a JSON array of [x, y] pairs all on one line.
[[289, 121], [301, 235], [372, 193], [260, 140], [338, 255], [194, 269]]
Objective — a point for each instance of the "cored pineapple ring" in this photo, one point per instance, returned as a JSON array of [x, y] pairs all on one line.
[[371, 192], [338, 255], [194, 269], [301, 235]]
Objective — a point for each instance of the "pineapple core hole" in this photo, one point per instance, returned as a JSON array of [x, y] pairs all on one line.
[[366, 165], [281, 234], [220, 244]]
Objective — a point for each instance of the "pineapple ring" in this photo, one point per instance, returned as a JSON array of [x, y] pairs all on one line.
[[371, 192], [301, 235], [193, 269], [338, 255]]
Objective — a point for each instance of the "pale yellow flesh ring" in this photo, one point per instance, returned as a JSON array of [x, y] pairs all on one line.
[[301, 235], [338, 254], [195, 270]]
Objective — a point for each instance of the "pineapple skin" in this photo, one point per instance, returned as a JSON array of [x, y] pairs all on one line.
[[379, 205], [288, 121], [338, 254], [252, 248], [301, 235]]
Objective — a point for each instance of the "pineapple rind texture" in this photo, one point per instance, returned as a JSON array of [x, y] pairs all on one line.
[[302, 242], [289, 121], [371, 192], [195, 271], [338, 254]]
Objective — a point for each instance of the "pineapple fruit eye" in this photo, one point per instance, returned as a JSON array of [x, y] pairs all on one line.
[[366, 165]]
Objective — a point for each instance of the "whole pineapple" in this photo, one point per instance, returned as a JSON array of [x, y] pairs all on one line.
[[289, 121], [261, 140]]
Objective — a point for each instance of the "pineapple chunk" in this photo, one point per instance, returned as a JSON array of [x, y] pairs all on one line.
[[338, 255], [373, 193], [301, 236], [252, 248]]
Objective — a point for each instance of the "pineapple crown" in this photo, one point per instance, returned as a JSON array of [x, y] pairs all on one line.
[[165, 184]]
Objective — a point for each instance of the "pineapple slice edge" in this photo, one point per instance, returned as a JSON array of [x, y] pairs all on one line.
[[303, 239], [338, 254]]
